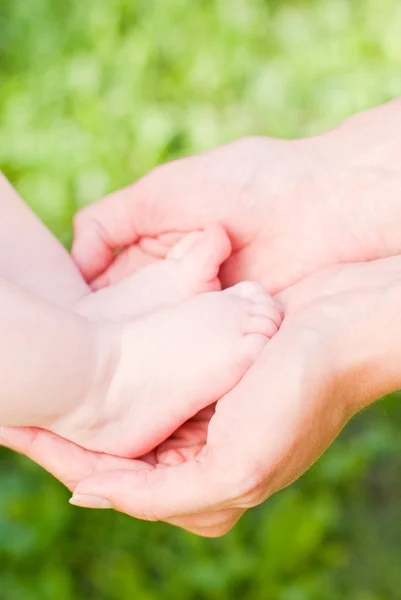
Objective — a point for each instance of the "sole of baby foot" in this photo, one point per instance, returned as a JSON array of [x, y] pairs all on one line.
[[176, 362], [191, 268]]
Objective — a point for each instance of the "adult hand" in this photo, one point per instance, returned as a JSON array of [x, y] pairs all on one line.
[[335, 353], [290, 207]]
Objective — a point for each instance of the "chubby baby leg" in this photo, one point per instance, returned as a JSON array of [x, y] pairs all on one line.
[[31, 257], [177, 361]]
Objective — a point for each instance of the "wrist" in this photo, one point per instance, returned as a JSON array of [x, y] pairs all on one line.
[[368, 349], [361, 178], [350, 317]]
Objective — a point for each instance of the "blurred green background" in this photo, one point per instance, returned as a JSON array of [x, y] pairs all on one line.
[[93, 93]]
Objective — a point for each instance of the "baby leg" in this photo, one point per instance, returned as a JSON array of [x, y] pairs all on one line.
[[31, 257], [176, 362]]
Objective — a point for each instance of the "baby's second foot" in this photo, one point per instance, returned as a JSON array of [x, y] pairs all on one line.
[[191, 268], [172, 364]]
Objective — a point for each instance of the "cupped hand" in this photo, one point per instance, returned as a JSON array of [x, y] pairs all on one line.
[[290, 207], [71, 464], [333, 355]]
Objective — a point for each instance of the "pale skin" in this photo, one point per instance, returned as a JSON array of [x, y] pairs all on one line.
[[103, 385], [341, 361], [289, 206], [314, 203]]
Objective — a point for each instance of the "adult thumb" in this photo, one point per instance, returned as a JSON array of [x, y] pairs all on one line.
[[155, 494], [163, 201]]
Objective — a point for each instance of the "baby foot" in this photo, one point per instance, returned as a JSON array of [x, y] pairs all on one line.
[[172, 364], [190, 268]]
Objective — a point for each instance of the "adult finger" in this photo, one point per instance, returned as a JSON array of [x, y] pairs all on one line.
[[70, 463], [156, 204], [159, 494], [66, 461]]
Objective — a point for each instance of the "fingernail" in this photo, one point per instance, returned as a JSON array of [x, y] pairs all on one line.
[[89, 501]]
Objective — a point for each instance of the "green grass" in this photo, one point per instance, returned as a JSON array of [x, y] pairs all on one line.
[[92, 95]]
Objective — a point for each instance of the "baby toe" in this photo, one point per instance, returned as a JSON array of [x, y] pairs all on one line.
[[247, 290], [186, 245], [252, 346], [199, 256], [268, 310], [263, 325]]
